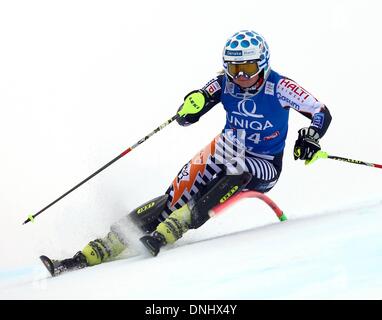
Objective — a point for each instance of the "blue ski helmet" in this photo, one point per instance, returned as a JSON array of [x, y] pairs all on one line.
[[245, 46]]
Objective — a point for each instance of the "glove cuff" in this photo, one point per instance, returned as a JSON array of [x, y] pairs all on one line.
[[310, 133], [194, 91]]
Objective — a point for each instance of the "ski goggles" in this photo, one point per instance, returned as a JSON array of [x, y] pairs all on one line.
[[248, 69]]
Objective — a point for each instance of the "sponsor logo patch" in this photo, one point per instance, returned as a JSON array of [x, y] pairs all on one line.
[[247, 108], [272, 136], [145, 208], [318, 120], [295, 88], [270, 88], [229, 87], [213, 87], [234, 53], [229, 194], [249, 52], [291, 103]]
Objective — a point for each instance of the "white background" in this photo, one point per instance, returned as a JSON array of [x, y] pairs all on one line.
[[80, 81]]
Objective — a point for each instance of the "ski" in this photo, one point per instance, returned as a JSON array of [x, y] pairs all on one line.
[[48, 265], [56, 267]]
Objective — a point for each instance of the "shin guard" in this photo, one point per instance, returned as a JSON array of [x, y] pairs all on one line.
[[215, 192], [195, 213]]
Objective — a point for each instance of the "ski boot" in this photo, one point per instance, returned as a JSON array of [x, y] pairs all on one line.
[[168, 231], [95, 252], [56, 267], [154, 242]]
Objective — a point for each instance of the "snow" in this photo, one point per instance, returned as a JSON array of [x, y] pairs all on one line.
[[334, 255], [81, 81]]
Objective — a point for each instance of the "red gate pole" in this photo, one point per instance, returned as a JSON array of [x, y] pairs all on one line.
[[248, 194]]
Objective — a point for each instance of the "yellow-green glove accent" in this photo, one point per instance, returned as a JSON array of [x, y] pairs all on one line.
[[193, 104], [318, 155]]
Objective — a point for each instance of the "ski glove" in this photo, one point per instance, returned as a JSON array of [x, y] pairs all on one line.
[[307, 144], [190, 111]]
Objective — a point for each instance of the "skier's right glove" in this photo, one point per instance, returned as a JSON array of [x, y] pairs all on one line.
[[307, 144], [190, 111]]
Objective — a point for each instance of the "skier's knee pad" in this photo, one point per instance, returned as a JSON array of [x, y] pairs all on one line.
[[216, 191], [146, 216]]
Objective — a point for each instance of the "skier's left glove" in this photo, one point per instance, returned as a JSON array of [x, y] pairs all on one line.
[[307, 144]]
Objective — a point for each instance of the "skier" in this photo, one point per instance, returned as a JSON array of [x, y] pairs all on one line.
[[246, 155]]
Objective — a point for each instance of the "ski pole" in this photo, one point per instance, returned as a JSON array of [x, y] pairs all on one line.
[[324, 155], [165, 124], [193, 104]]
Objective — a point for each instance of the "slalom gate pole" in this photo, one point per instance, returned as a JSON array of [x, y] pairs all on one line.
[[163, 125], [248, 194], [324, 155]]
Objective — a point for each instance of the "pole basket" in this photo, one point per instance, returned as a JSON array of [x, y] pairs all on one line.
[[248, 194]]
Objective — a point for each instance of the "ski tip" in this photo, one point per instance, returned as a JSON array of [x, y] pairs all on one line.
[[48, 264]]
